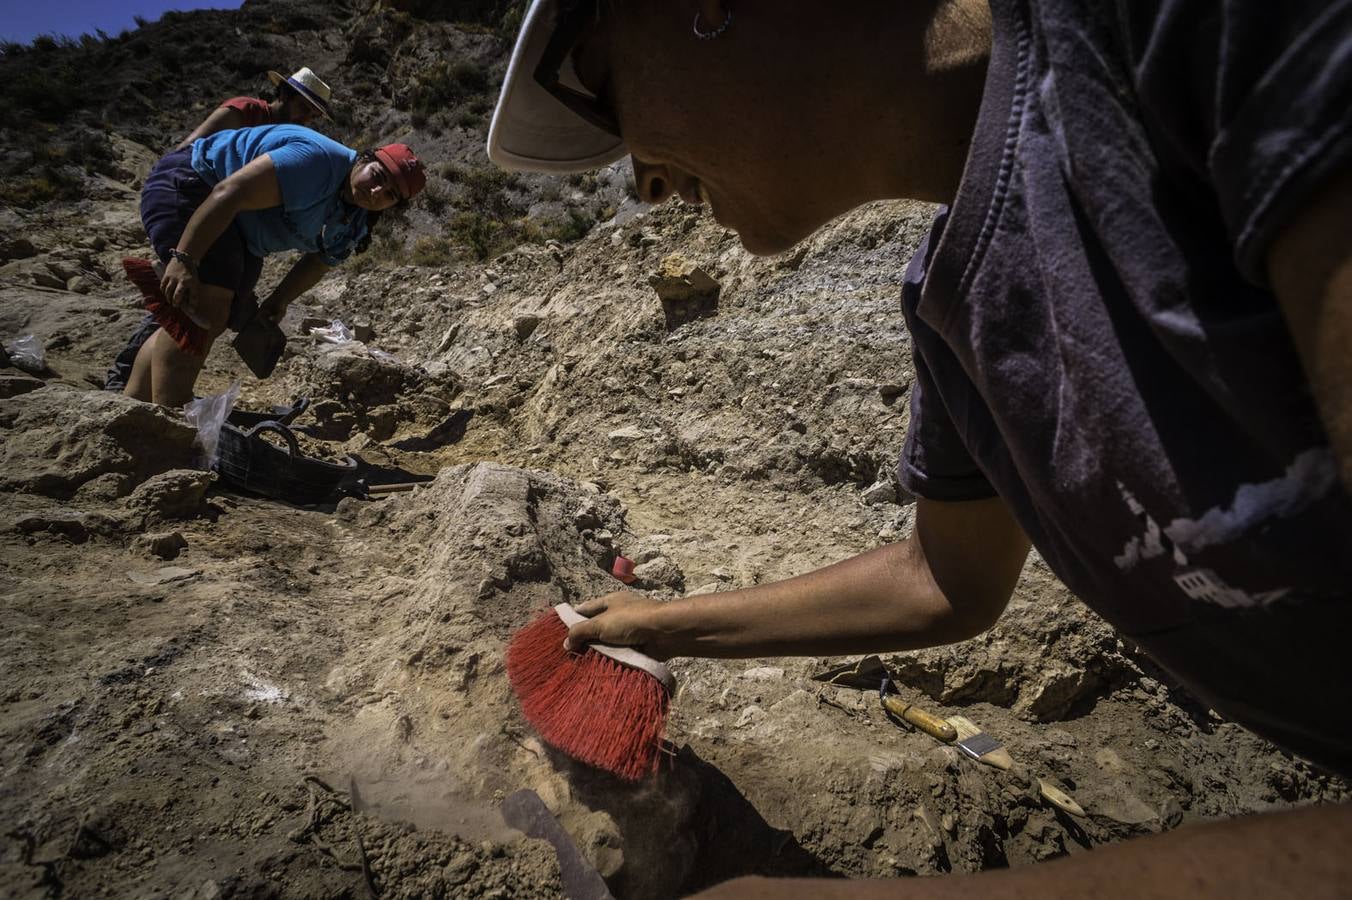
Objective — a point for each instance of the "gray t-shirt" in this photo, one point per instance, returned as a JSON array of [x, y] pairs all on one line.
[[1095, 342]]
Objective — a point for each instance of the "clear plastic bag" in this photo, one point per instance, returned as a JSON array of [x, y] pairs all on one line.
[[335, 333], [208, 415], [27, 353]]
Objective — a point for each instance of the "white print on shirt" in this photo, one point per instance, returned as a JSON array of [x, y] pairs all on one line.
[[1310, 476]]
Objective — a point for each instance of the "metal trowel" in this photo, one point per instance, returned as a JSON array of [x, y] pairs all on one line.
[[260, 344], [869, 674]]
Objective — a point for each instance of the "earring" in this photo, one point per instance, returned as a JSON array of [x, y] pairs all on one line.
[[715, 32]]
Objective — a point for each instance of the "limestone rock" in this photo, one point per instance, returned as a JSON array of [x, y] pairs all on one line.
[[178, 494], [659, 572], [55, 440], [164, 545], [687, 292]]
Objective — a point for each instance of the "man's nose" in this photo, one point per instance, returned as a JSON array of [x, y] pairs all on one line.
[[653, 182]]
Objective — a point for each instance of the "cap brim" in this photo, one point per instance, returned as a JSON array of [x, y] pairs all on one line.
[[532, 131]]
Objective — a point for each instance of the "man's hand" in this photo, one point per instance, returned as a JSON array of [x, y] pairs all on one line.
[[622, 619]]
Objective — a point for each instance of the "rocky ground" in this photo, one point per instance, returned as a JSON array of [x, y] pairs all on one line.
[[207, 693]]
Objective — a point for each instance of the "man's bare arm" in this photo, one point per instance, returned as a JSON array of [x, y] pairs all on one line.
[[948, 581], [1290, 854], [220, 119], [1310, 266]]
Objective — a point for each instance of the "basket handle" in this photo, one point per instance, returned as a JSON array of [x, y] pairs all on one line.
[[292, 447]]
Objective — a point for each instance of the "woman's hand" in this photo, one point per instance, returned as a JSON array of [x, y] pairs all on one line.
[[273, 310], [622, 619], [178, 284]]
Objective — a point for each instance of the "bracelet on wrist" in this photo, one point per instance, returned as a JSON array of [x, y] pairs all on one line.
[[184, 258]]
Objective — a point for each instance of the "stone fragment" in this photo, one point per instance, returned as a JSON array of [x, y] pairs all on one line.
[[14, 385], [165, 575], [882, 492], [16, 248], [626, 435], [750, 716], [525, 325], [164, 545], [686, 291], [177, 494], [659, 572]]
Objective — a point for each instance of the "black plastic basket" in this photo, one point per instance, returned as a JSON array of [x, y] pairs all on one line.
[[248, 462]]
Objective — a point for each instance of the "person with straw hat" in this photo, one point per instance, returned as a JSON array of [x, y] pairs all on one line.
[[1130, 326], [298, 99]]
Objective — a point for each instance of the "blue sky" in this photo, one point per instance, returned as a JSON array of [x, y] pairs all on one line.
[[23, 20]]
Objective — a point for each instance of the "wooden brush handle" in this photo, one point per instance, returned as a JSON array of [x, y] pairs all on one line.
[[929, 723]]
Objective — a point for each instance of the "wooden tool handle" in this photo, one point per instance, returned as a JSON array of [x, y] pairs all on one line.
[[1059, 798], [929, 723]]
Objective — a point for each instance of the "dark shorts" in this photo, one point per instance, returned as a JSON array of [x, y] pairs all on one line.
[[173, 190]]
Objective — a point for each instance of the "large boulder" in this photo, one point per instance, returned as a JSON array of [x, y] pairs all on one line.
[[54, 441]]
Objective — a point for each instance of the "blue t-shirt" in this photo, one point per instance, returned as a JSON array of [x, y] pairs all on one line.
[[311, 170], [1095, 342]]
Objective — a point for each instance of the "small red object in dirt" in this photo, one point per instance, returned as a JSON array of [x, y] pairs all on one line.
[[190, 337], [587, 705], [623, 569]]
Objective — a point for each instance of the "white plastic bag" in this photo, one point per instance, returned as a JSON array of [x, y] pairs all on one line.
[[27, 353], [335, 333], [208, 415]]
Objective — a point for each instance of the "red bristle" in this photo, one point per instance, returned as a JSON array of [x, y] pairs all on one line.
[[586, 704], [190, 337]]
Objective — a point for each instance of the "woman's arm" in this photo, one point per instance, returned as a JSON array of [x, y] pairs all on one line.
[[221, 119], [253, 187], [304, 275], [1310, 265], [948, 581]]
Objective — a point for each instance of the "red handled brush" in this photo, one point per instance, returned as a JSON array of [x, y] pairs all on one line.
[[606, 706], [190, 337]]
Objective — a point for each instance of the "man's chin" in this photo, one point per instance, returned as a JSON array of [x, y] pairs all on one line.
[[760, 244]]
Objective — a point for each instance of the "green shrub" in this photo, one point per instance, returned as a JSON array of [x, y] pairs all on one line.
[[476, 233], [434, 198], [574, 228], [385, 250], [430, 251], [444, 85]]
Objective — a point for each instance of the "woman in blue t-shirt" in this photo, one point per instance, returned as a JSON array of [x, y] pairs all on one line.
[[215, 209]]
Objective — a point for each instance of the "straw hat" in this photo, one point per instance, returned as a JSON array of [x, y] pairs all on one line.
[[308, 85]]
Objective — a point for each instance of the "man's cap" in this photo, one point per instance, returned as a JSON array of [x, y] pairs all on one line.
[[532, 131], [407, 169], [309, 85]]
